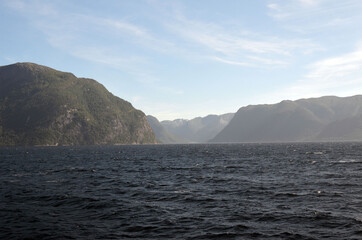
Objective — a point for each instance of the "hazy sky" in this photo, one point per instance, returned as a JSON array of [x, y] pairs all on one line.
[[183, 59]]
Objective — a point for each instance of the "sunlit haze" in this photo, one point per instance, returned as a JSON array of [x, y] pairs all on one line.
[[184, 59]]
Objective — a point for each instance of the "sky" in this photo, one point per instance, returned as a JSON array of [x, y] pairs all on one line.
[[184, 58]]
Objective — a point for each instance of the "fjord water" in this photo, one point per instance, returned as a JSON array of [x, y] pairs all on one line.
[[226, 191]]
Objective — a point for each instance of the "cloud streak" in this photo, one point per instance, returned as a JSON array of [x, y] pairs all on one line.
[[306, 16], [339, 75], [237, 47], [336, 72], [35, 7]]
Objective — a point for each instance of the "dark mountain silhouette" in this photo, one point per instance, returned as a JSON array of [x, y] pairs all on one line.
[[316, 119], [43, 106]]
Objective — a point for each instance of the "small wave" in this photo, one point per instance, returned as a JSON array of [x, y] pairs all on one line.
[[318, 153], [287, 194], [52, 181], [292, 194], [348, 161], [20, 174], [140, 228], [182, 191], [315, 153], [75, 169]]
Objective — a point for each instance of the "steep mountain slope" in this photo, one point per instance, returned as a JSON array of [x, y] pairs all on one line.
[[162, 134], [43, 106], [315, 119], [200, 129]]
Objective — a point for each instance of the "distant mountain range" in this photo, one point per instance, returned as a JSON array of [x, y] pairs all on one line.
[[197, 130], [316, 119], [162, 135], [43, 106]]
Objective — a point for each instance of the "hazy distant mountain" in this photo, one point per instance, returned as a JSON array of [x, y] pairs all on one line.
[[349, 129], [43, 106], [315, 119], [200, 129], [162, 134]]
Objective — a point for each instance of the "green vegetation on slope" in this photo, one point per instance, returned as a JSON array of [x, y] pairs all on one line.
[[42, 106]]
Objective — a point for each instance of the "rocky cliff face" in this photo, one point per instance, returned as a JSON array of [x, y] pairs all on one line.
[[42, 106]]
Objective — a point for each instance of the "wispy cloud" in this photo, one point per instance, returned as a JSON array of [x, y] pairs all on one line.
[[314, 15], [339, 75], [310, 3], [218, 40], [337, 67], [36, 7], [237, 47], [123, 26], [243, 64]]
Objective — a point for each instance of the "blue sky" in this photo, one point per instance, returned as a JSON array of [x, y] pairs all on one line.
[[183, 59]]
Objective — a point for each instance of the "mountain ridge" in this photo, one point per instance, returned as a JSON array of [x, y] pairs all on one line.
[[295, 121]]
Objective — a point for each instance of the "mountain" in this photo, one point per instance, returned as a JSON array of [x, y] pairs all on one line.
[[43, 106], [200, 129], [316, 119], [162, 134]]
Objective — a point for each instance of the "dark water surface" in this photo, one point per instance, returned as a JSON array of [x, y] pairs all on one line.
[[231, 191]]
